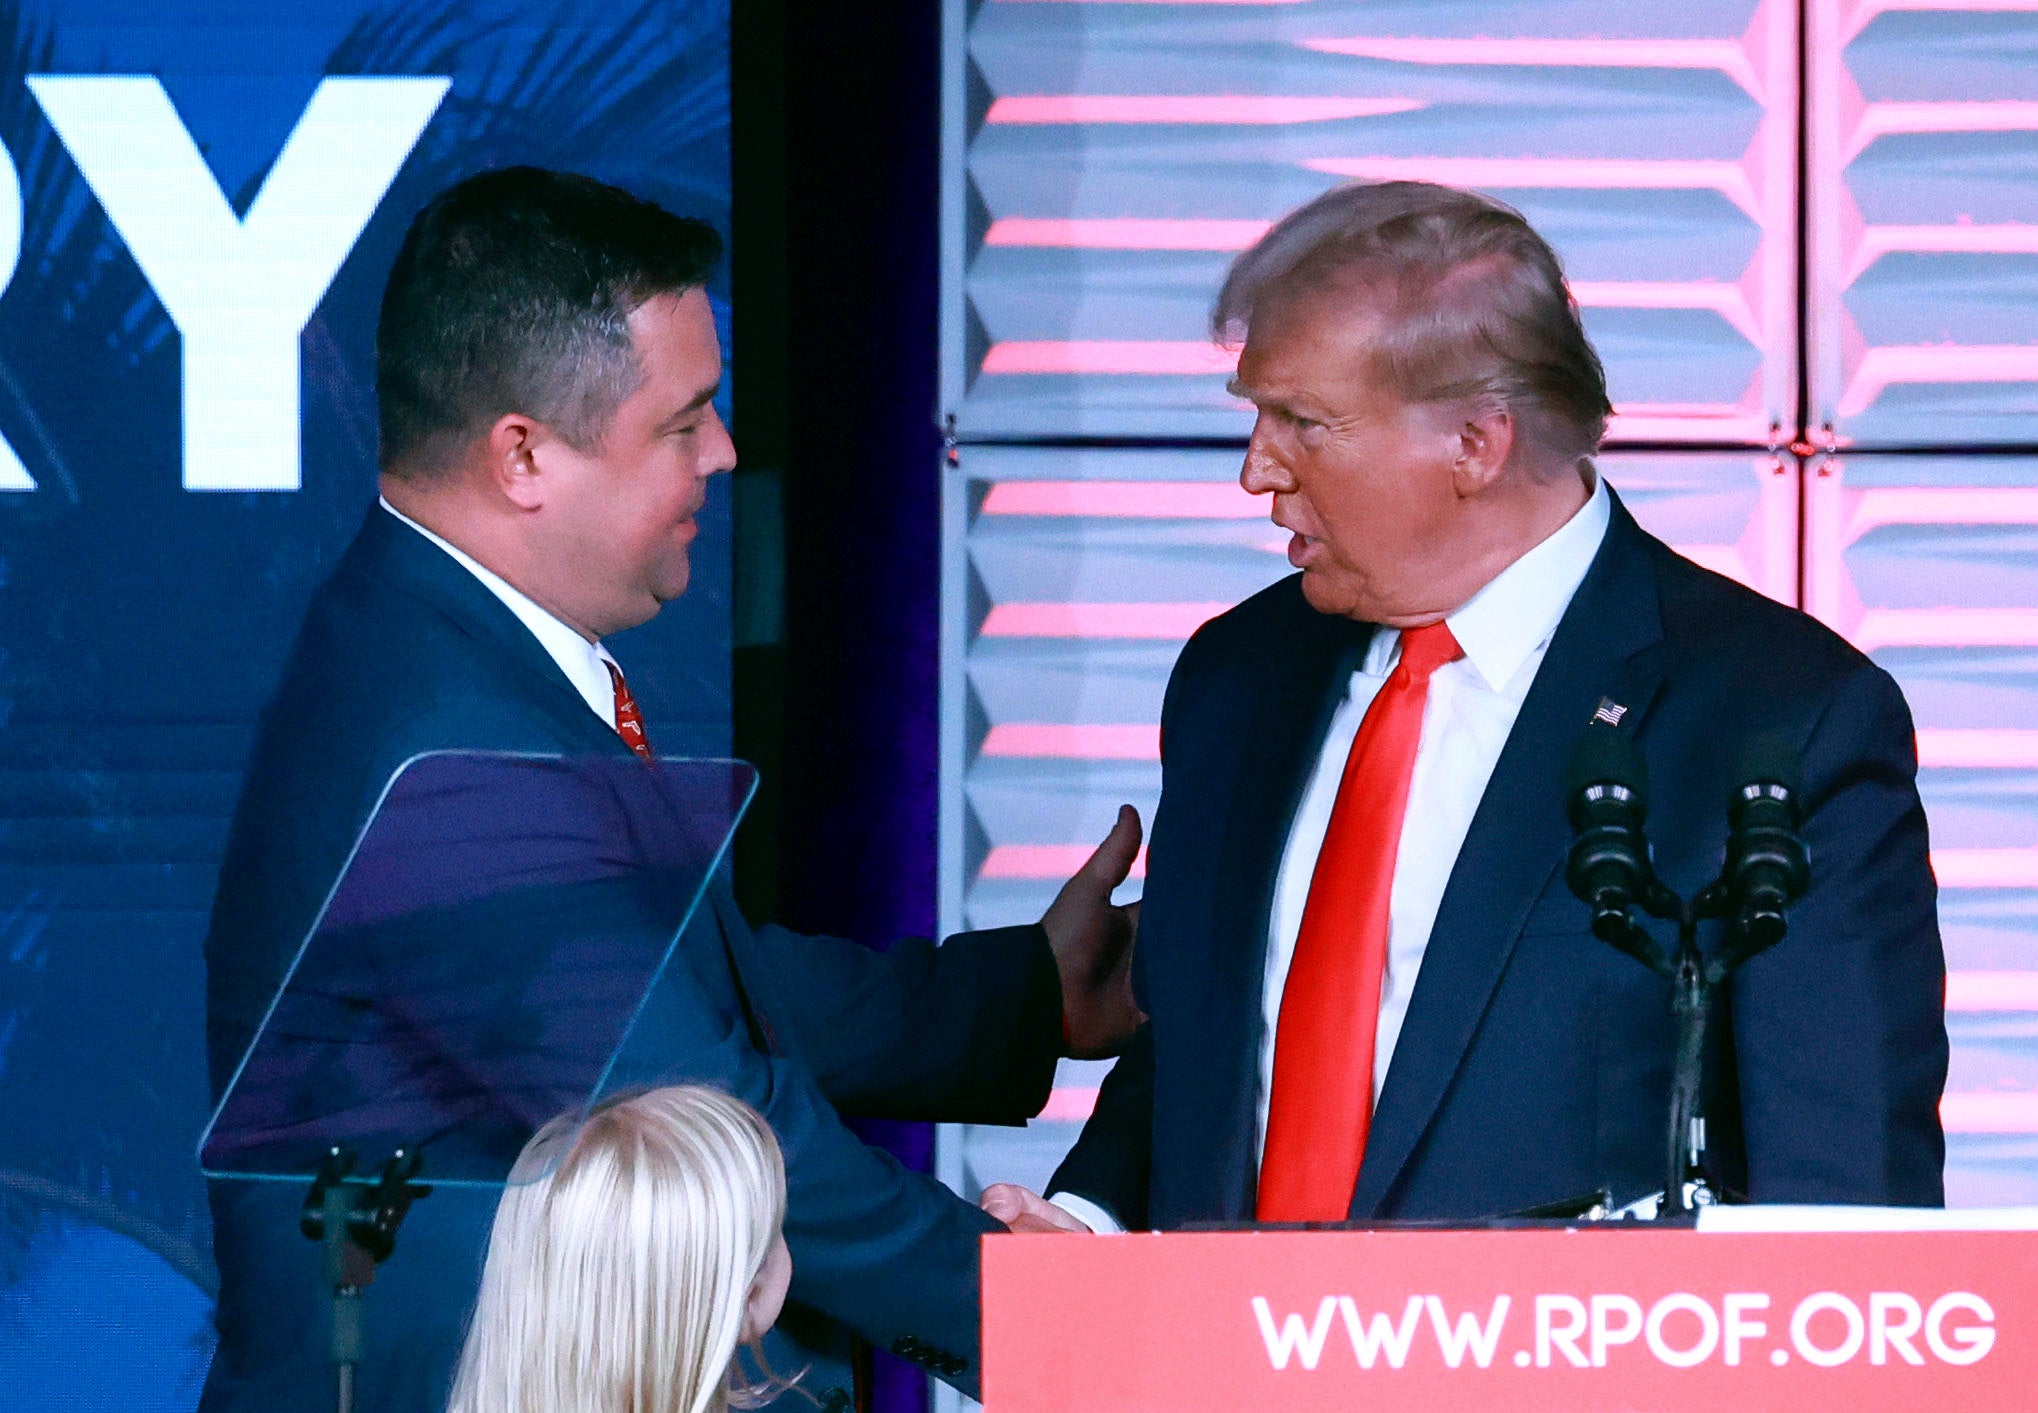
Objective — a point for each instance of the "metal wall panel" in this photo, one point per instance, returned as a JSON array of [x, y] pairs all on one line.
[[1922, 121], [1115, 156], [1931, 565]]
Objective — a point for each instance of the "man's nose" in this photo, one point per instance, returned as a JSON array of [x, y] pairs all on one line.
[[1263, 473], [722, 450]]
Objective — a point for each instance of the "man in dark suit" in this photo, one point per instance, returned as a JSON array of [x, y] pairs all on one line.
[[1372, 994], [546, 367]]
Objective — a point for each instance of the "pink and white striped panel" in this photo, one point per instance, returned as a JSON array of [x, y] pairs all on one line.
[[1118, 155]]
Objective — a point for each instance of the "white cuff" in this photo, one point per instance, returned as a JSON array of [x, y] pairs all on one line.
[[1088, 1213]]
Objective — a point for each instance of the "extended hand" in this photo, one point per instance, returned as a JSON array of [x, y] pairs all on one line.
[[1092, 943], [1024, 1210]]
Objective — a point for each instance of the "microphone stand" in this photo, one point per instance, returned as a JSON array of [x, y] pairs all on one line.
[[1695, 980]]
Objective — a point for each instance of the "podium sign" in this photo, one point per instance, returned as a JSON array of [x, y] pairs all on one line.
[[1574, 1319]]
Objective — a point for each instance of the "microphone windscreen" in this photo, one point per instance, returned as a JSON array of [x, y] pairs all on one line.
[[1606, 757], [1769, 759]]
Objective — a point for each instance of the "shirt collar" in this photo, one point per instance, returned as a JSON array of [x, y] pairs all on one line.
[[1503, 625], [585, 664], [1514, 616]]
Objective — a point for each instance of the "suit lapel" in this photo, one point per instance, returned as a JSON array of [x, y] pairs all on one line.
[[1288, 708], [393, 556], [1517, 840]]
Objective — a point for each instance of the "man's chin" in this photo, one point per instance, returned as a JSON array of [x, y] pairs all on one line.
[[672, 584], [1326, 596]]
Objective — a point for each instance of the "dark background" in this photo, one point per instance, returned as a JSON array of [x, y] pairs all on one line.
[[836, 124]]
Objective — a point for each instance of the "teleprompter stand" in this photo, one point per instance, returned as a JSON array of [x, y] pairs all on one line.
[[354, 1218], [473, 974]]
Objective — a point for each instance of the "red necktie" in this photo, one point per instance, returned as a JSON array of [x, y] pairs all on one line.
[[629, 721], [1322, 1102]]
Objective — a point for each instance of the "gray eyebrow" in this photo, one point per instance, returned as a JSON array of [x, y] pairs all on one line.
[[700, 399]]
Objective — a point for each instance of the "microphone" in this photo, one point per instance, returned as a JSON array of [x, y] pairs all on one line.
[[1768, 867], [1608, 795]]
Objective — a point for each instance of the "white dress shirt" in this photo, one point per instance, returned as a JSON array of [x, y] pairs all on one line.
[[1504, 629], [585, 664]]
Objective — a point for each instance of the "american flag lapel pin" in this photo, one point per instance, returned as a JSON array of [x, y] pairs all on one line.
[[1609, 712]]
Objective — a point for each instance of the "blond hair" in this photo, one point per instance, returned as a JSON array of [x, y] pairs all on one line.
[[623, 1252], [1474, 302]]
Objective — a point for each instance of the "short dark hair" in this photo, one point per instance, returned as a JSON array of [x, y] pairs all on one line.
[[1474, 299], [512, 292]]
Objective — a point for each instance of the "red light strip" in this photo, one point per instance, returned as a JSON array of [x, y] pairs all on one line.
[[1124, 233], [1861, 12], [1936, 363], [1044, 862], [1144, 500], [1555, 173], [1214, 500], [1172, 622], [1728, 56], [1940, 505], [1986, 1112], [1135, 357], [1724, 421], [1992, 991], [1046, 740], [1222, 109], [1070, 1103], [1200, 357], [2003, 238], [1157, 2], [1729, 301], [1986, 868], [1880, 120], [1945, 628], [1946, 749]]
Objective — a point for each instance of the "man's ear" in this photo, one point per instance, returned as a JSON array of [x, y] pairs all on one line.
[[1482, 444], [512, 466]]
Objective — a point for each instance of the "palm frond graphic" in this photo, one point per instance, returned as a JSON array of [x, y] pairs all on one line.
[[118, 761]]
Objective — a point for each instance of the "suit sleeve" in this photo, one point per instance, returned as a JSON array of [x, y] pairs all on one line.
[[1112, 1161], [888, 1252], [967, 1032], [1839, 1031]]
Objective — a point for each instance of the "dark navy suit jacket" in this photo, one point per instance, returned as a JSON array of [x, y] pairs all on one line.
[[1535, 1061], [404, 651]]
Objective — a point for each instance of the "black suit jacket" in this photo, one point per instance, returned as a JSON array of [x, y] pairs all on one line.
[[402, 652], [1534, 1063]]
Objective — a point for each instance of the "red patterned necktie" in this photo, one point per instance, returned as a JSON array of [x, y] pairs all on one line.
[[1322, 1102], [629, 721]]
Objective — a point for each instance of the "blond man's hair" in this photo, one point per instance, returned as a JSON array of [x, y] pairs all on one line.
[[1473, 302], [621, 1260]]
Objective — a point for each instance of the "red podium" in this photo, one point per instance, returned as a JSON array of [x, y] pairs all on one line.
[[1580, 1319]]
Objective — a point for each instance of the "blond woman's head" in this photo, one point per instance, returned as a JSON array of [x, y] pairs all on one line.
[[631, 1255]]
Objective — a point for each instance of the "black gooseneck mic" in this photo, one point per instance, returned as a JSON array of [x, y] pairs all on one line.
[[1609, 867], [1767, 867], [1609, 803]]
